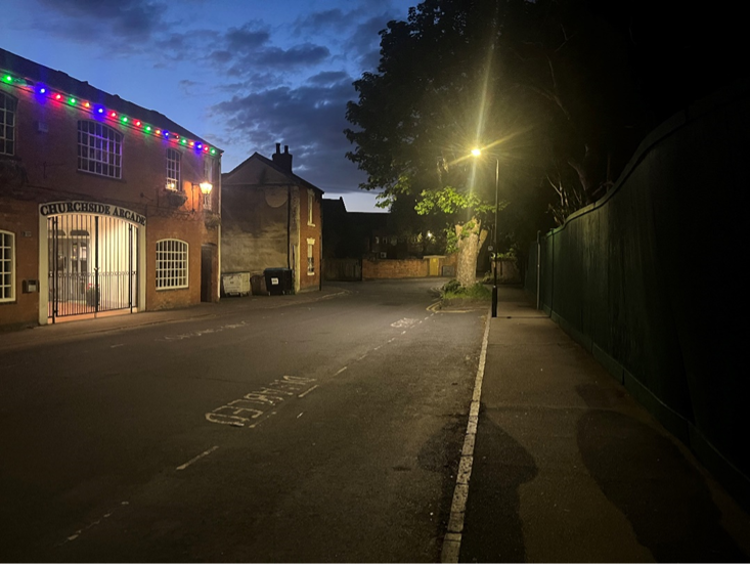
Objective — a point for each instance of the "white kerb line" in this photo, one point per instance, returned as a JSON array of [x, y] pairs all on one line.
[[452, 541]]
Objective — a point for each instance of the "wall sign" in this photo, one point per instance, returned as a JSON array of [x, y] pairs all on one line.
[[85, 207]]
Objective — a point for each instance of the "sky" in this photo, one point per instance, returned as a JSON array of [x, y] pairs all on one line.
[[241, 74]]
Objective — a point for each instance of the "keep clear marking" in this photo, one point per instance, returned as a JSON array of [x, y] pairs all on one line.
[[259, 405]]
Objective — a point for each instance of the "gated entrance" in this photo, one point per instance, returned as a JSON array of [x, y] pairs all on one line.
[[93, 264]]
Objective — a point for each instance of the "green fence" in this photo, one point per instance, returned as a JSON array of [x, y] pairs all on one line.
[[649, 279]]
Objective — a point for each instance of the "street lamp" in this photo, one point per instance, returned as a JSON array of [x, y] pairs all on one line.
[[476, 153]]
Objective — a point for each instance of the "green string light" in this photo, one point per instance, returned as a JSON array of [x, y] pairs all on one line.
[[72, 101]]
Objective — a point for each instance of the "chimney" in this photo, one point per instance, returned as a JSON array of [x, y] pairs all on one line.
[[283, 160]]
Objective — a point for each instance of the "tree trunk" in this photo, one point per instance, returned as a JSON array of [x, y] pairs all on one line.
[[470, 238]]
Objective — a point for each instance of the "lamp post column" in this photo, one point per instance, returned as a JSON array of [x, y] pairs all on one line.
[[494, 251]]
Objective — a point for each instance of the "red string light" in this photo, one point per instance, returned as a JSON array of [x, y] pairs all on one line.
[[42, 91]]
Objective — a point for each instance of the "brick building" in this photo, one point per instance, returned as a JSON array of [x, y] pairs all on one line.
[[271, 218], [101, 203]]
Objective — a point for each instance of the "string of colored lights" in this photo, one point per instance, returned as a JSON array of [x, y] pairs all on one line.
[[126, 121]]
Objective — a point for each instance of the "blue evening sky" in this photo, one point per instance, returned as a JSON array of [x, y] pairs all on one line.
[[243, 75]]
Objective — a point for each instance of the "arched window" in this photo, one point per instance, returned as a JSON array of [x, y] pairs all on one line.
[[7, 124], [99, 149], [171, 264], [7, 266]]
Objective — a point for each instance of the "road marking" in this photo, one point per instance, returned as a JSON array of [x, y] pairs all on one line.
[[308, 391], [253, 408], [116, 345], [79, 532], [452, 541], [302, 413], [404, 323], [342, 370], [199, 333], [198, 457]]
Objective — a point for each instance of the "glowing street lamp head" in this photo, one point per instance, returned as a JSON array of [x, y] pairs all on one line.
[[476, 152]]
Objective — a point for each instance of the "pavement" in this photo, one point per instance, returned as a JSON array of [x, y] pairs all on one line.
[[67, 329], [560, 463], [567, 467]]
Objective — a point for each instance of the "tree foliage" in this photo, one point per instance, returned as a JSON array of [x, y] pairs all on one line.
[[559, 91]]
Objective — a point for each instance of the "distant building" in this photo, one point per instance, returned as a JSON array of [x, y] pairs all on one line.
[[101, 205], [357, 241], [271, 218], [372, 235]]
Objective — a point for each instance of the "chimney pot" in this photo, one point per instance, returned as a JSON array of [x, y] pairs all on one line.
[[283, 160]]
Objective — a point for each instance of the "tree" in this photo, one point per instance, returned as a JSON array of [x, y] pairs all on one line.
[[562, 91], [419, 116]]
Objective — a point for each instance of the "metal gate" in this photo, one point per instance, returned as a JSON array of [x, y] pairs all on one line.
[[93, 264]]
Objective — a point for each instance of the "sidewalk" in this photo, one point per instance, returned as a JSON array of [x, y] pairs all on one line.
[[567, 467], [109, 322]]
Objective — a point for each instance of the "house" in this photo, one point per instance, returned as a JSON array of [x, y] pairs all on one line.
[[377, 245], [271, 218], [104, 205]]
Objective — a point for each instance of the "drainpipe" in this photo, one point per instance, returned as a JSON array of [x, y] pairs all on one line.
[[288, 224]]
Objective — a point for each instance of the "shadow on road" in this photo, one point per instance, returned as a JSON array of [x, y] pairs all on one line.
[[501, 466]]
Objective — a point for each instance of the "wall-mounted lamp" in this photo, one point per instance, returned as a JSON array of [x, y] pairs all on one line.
[[205, 188], [171, 186]]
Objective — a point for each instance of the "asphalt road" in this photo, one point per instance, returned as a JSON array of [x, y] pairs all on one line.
[[319, 432]]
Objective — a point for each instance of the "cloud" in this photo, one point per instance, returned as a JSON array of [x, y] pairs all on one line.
[[248, 38], [317, 21], [329, 78], [310, 119], [298, 55], [365, 41], [86, 19]]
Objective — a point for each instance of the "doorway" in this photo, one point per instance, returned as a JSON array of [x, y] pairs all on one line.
[[93, 264], [208, 252]]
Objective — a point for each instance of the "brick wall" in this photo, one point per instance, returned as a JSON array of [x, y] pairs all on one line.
[[394, 268], [312, 232], [45, 169]]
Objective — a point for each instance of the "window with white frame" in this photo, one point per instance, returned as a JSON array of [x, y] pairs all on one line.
[[7, 267], [7, 124], [310, 202], [99, 149], [171, 264], [173, 170], [311, 256]]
